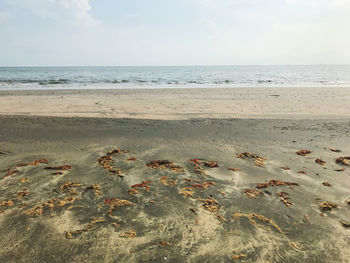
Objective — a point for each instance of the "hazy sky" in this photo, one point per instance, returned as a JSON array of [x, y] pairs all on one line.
[[174, 32]]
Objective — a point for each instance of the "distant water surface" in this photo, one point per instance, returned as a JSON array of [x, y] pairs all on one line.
[[172, 77]]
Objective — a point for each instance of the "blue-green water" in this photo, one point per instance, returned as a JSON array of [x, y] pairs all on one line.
[[173, 77]]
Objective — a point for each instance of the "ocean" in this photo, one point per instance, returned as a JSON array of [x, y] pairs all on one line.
[[32, 78]]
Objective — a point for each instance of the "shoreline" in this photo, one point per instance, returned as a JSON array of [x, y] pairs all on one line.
[[177, 104]]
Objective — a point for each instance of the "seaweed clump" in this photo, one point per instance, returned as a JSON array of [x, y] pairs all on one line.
[[167, 182], [303, 152], [211, 204], [115, 202], [284, 198], [129, 234], [165, 164], [320, 161], [253, 217], [36, 162], [105, 162], [89, 226], [276, 183], [258, 160], [64, 167], [343, 160], [327, 206], [251, 193]]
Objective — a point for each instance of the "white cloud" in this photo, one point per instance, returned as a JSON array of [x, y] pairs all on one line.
[[76, 11]]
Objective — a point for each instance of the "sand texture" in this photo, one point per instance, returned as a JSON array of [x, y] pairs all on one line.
[[176, 104], [199, 190]]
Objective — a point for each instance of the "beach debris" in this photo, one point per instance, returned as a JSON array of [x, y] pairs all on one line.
[[186, 192], [285, 168], [347, 201], [165, 164], [303, 152], [167, 182], [335, 150], [68, 185], [132, 159], [133, 191], [6, 203], [163, 243], [211, 204], [302, 172], [205, 185], [2, 153], [234, 169], [73, 233], [22, 193], [210, 164], [258, 160], [340, 170], [327, 206], [319, 161], [105, 162], [144, 184], [10, 172], [115, 202], [306, 218], [50, 204], [253, 217], [275, 183], [23, 180], [345, 224], [284, 198], [96, 188], [294, 245], [64, 167], [326, 184], [238, 256], [193, 210], [252, 193], [36, 162], [343, 160], [118, 151], [57, 173], [129, 234]]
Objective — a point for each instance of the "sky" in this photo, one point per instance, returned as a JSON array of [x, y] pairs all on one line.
[[176, 32]]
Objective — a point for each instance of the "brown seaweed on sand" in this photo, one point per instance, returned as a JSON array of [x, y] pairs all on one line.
[[129, 234], [343, 160], [319, 161], [258, 160], [64, 167], [167, 182], [144, 184], [71, 234], [187, 191], [51, 204], [22, 193], [205, 185], [36, 162], [105, 162], [115, 202], [238, 256], [284, 198], [303, 152], [253, 217], [326, 184], [275, 183], [234, 169], [211, 204], [68, 185], [285, 168], [251, 193], [335, 150], [6, 203], [327, 206], [2, 153], [164, 164], [132, 159], [96, 188], [133, 191], [345, 224]]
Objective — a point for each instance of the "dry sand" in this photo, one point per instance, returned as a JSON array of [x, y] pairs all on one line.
[[169, 104]]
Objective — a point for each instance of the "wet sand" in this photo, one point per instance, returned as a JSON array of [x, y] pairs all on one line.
[[177, 104], [192, 211]]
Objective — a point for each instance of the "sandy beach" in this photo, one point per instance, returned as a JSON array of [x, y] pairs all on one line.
[[197, 175], [170, 104]]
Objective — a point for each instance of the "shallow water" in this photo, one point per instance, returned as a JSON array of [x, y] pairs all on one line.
[[173, 77], [161, 213]]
